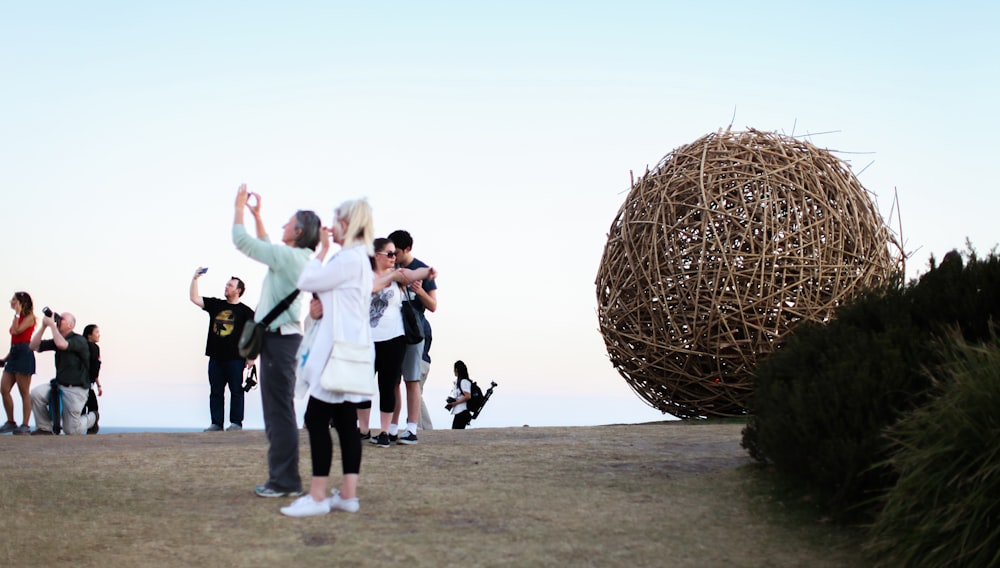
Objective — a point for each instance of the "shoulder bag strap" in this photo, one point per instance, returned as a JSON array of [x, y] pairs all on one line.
[[282, 306]]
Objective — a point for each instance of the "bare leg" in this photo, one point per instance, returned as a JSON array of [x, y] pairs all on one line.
[[364, 420], [349, 489], [413, 399], [317, 488], [6, 384], [24, 387]]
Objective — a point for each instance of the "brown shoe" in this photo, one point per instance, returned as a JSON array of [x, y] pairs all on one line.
[[40, 432]]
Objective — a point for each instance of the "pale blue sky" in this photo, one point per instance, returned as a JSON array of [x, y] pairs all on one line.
[[501, 136]]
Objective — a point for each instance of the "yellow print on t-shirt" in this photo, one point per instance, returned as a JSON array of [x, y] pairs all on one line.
[[224, 323]]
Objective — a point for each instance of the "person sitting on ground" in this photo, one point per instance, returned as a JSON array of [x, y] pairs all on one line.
[[72, 357]]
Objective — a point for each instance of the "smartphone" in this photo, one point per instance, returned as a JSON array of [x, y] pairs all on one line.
[[202, 270]]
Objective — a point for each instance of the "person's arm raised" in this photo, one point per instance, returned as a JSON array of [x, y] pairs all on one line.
[[195, 296]]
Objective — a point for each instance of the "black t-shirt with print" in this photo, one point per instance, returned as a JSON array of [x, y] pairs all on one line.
[[224, 327]]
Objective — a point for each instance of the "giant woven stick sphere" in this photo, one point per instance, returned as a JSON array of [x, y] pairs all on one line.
[[718, 251]]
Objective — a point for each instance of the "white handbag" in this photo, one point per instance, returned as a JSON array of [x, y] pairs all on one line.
[[350, 369]]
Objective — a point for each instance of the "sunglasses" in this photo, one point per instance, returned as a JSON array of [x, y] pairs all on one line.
[[390, 254]]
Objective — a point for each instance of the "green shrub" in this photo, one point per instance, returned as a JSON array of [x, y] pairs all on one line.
[[822, 402], [966, 295], [944, 509]]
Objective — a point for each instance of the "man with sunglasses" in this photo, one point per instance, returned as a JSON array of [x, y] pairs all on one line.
[[226, 318], [422, 294]]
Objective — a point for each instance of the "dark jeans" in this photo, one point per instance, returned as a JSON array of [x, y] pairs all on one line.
[[223, 373], [277, 393]]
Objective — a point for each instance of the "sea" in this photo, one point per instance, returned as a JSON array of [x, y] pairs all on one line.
[[129, 430]]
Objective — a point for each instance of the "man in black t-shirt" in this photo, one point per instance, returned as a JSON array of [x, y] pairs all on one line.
[[225, 366]]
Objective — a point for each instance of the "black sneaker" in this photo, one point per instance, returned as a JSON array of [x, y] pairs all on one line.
[[408, 438], [393, 438], [366, 436], [382, 441]]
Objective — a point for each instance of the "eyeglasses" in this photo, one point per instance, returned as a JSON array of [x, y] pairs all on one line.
[[390, 254]]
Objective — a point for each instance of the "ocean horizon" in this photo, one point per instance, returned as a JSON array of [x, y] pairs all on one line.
[[147, 430], [178, 412]]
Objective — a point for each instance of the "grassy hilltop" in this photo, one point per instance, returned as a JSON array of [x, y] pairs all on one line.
[[664, 494]]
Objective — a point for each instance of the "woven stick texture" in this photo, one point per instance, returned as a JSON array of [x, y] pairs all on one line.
[[719, 251]]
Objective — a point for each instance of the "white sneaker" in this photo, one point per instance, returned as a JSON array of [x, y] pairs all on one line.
[[306, 506], [339, 503]]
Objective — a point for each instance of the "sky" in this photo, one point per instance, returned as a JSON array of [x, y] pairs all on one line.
[[501, 135]]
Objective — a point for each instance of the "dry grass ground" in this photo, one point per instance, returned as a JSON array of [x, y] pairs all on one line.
[[667, 494]]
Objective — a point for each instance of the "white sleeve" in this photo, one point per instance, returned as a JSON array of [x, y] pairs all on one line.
[[318, 277]]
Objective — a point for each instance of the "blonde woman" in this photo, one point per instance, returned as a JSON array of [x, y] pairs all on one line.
[[343, 286]]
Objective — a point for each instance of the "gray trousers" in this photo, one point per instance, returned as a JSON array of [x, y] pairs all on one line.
[[425, 415], [74, 398], [277, 393]]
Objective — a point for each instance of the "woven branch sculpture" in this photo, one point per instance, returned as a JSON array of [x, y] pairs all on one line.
[[719, 251]]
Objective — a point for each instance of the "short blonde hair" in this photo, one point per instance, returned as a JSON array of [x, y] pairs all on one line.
[[360, 226]]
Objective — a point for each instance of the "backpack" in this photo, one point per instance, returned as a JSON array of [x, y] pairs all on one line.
[[475, 404], [55, 406]]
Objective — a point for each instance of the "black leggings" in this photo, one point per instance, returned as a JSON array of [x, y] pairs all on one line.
[[344, 417], [389, 367]]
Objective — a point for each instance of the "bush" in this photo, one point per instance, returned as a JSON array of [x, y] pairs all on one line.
[[822, 402], [944, 508]]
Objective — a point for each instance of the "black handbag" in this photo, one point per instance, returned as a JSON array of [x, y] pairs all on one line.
[[413, 320], [252, 337]]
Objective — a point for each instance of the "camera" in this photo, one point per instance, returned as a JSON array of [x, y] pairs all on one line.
[[50, 314], [251, 383], [450, 400]]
